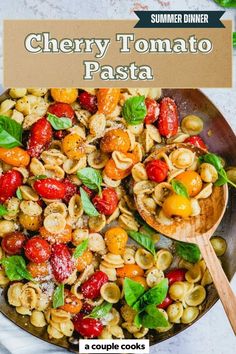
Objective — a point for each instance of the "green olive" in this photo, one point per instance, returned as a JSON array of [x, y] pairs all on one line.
[[219, 244], [192, 125]]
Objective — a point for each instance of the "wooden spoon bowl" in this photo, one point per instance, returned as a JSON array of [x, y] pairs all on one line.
[[199, 229]]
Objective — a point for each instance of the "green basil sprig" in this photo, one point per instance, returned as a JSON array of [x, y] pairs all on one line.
[[58, 296], [134, 110], [80, 249], [15, 268], [216, 162], [91, 178], [234, 39], [59, 123], [3, 210], [179, 188], [150, 231], [188, 251], [19, 194], [10, 133], [35, 178], [100, 311], [226, 3], [145, 302], [88, 207], [143, 240]]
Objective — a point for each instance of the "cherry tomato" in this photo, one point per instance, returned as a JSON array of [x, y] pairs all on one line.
[[157, 170], [107, 203], [177, 205], [64, 236], [115, 173], [15, 157], [86, 308], [9, 182], [50, 188], [88, 101], [152, 111], [60, 109], [141, 280], [71, 189], [84, 260], [38, 269], [108, 99], [65, 95], [130, 271], [73, 146], [116, 239], [168, 118], [40, 137], [72, 304], [59, 134], [115, 140], [197, 141], [37, 250], [91, 288], [192, 182], [61, 262], [87, 327], [168, 301], [177, 274], [13, 242]]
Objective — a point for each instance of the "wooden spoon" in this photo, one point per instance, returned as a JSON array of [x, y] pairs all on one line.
[[198, 230]]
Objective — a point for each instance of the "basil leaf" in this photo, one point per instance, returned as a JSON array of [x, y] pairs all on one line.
[[179, 188], [100, 311], [132, 290], [3, 210], [226, 3], [153, 318], [88, 207], [59, 123], [188, 251], [19, 194], [234, 39], [58, 296], [91, 178], [149, 229], [212, 159], [80, 249], [222, 179], [15, 268], [134, 110], [10, 133], [35, 178], [143, 240], [154, 296], [138, 320]]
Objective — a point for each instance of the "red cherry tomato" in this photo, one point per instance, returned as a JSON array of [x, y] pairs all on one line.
[[13, 242], [88, 102], [157, 170], [9, 182], [37, 250], [168, 118], [60, 110], [87, 327], [86, 308], [107, 203], [196, 141], [168, 301], [59, 134], [174, 275], [61, 262], [90, 192], [50, 188], [152, 111], [40, 137], [91, 288], [71, 189]]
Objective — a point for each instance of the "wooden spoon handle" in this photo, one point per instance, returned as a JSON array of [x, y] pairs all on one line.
[[220, 280]]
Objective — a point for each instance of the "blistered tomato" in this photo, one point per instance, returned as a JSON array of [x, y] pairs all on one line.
[[9, 182], [116, 239], [61, 262], [50, 188], [177, 274], [91, 288], [168, 118], [129, 271], [65, 95], [38, 269], [177, 205], [88, 101], [108, 99], [192, 182], [15, 157], [61, 237], [168, 301], [152, 111], [60, 110], [157, 170], [73, 146], [84, 260], [72, 304], [197, 141], [87, 327], [37, 250], [115, 173], [107, 203], [115, 140], [13, 242]]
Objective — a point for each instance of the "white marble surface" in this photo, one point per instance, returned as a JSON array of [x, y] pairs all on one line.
[[211, 334]]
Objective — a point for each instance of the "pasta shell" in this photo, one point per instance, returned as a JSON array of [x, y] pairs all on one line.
[[17, 92], [189, 315], [83, 117], [161, 191], [154, 276], [164, 259], [97, 124], [130, 327], [106, 334], [154, 93], [13, 294], [206, 279], [219, 244], [30, 208], [127, 313], [142, 332], [138, 151], [36, 167], [132, 139], [110, 182], [153, 133], [75, 207], [128, 222], [53, 157], [67, 328], [24, 172], [144, 259], [97, 159], [6, 105], [196, 296], [136, 129], [139, 172], [122, 162], [110, 292], [28, 193], [184, 264], [97, 223], [110, 272], [56, 207], [178, 138], [54, 333], [37, 319], [175, 312], [117, 331], [72, 166], [54, 172], [96, 243], [146, 141], [196, 209], [17, 116], [182, 158], [123, 207], [144, 187], [205, 192], [163, 219], [23, 310], [177, 291], [113, 216], [113, 260], [54, 223], [79, 235], [208, 173], [28, 298], [129, 255], [163, 156]]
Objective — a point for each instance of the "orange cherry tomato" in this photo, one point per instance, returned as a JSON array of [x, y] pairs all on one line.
[[38, 269], [177, 205], [62, 237], [116, 173], [16, 156], [72, 304], [108, 99], [115, 140], [141, 280], [84, 260], [65, 95], [73, 146], [129, 271], [116, 239], [192, 182]]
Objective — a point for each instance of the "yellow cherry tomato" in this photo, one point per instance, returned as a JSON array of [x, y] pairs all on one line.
[[65, 95], [115, 140], [73, 146], [116, 239], [192, 182], [177, 205], [15, 157], [141, 280], [130, 271]]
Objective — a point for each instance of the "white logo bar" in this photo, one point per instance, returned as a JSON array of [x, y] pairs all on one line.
[[118, 346]]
